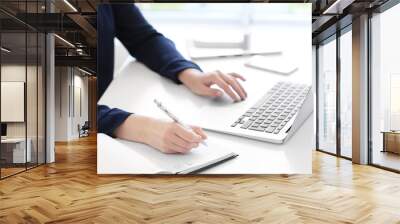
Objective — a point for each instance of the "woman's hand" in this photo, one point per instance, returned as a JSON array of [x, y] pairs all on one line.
[[200, 83], [168, 137], [171, 137]]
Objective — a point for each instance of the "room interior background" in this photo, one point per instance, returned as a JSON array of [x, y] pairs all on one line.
[[45, 96], [331, 33]]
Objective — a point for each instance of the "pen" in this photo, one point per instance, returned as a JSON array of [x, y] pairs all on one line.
[[173, 117]]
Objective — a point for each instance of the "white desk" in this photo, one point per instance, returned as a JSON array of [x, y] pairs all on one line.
[[135, 86], [18, 151]]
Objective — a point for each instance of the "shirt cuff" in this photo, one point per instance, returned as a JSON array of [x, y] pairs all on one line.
[[179, 67], [110, 119]]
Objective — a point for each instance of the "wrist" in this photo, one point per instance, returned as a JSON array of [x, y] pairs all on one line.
[[147, 129], [187, 76], [134, 128]]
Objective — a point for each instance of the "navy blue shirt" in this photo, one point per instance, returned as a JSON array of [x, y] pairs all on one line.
[[125, 22]]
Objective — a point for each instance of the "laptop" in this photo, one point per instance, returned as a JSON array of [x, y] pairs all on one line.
[[273, 118]]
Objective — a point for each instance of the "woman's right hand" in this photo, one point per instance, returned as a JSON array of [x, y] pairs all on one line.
[[168, 137], [171, 137]]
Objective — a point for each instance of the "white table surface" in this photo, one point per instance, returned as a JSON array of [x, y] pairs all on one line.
[[13, 140], [134, 87]]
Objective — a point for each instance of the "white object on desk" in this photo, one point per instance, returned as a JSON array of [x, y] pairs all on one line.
[[243, 43], [137, 158], [277, 64], [214, 52]]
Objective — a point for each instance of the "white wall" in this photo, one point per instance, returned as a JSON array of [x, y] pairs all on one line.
[[70, 83], [61, 103], [34, 125], [14, 73], [17, 73], [12, 101], [79, 117]]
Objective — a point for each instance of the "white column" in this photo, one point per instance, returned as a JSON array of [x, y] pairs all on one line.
[[360, 90], [50, 99], [50, 92]]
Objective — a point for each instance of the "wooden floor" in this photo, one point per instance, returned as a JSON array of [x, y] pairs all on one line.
[[69, 191], [10, 171]]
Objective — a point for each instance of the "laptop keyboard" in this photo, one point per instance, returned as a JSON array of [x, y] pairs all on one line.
[[275, 109]]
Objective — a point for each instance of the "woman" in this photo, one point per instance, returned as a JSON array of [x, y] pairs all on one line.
[[125, 22]]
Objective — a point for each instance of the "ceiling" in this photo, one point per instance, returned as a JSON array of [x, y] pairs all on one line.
[[75, 43]]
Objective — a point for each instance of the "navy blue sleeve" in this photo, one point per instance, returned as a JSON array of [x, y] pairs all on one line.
[[146, 44], [110, 119], [143, 42]]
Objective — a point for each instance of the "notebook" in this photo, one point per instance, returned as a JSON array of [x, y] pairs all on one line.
[[277, 64], [117, 156]]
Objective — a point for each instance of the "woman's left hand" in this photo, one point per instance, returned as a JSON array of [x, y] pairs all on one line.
[[200, 83]]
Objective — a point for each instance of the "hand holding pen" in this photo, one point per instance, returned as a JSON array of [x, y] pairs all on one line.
[[176, 119], [165, 136]]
